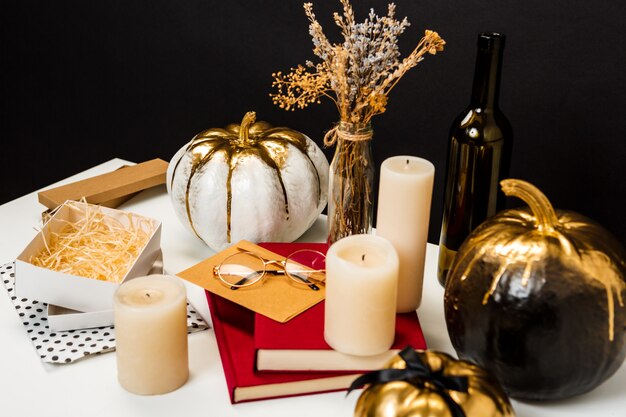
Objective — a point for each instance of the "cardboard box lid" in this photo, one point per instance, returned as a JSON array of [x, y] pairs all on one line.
[[110, 189]]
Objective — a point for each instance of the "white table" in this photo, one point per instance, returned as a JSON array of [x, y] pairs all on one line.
[[89, 387]]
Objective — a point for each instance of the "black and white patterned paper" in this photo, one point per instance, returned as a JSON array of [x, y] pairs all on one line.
[[69, 345]]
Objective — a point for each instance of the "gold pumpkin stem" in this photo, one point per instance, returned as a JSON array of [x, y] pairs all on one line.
[[244, 129], [539, 204]]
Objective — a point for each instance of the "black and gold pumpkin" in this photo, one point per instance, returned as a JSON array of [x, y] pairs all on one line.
[[248, 181], [537, 297]]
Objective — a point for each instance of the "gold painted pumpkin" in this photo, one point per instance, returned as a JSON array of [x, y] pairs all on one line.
[[536, 296], [431, 384], [250, 181]]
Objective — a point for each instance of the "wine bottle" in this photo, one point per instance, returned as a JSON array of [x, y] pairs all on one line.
[[479, 155]]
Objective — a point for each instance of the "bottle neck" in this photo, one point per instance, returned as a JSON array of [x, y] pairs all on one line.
[[486, 87]]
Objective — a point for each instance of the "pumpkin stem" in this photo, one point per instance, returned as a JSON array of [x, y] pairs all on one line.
[[244, 129], [539, 204]]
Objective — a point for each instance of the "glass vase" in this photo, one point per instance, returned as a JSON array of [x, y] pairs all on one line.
[[351, 180]]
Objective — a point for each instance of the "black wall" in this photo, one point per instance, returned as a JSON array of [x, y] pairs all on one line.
[[86, 81]]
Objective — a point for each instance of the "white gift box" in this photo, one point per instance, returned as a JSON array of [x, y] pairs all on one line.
[[61, 318], [76, 292]]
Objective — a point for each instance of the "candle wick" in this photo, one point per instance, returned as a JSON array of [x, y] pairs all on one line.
[[363, 258], [407, 162], [148, 295]]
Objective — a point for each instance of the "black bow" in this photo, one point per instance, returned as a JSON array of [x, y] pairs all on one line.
[[418, 373]]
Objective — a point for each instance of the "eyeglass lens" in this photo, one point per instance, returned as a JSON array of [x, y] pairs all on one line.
[[241, 269], [313, 269]]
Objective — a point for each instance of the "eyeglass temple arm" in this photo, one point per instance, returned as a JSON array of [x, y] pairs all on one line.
[[307, 281], [294, 273], [264, 259], [274, 261]]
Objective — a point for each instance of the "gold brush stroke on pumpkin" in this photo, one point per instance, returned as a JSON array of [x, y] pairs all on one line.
[[262, 153], [419, 398], [519, 250], [475, 259], [269, 144], [229, 190], [197, 164], [530, 249], [602, 269]]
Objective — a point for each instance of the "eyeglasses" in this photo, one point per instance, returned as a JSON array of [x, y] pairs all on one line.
[[246, 268]]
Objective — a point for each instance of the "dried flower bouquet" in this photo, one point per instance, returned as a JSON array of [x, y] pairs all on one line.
[[357, 75]]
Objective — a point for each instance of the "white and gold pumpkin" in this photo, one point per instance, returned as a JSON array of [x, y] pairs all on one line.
[[250, 181]]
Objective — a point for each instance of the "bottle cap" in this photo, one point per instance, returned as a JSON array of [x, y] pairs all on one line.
[[491, 41]]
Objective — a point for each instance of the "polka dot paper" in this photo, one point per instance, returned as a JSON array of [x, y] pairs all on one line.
[[69, 345]]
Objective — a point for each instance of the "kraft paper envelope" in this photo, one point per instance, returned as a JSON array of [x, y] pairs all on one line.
[[275, 296]]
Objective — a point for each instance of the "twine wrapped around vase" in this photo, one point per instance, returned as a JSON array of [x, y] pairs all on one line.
[[335, 133], [351, 176]]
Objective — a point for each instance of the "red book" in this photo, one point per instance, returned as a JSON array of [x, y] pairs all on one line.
[[234, 332], [299, 345]]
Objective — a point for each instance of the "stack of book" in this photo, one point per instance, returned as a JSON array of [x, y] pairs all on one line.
[[265, 359]]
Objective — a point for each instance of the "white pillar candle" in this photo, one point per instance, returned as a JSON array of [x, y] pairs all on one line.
[[361, 285], [404, 197], [151, 334]]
